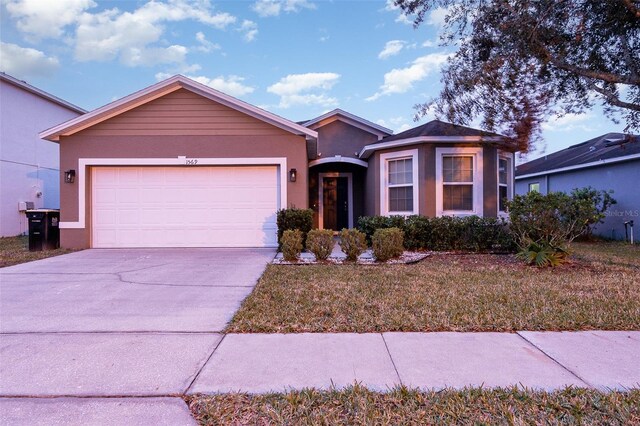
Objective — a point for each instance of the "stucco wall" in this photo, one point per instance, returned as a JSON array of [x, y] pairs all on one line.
[[622, 178], [28, 164], [339, 138], [269, 141]]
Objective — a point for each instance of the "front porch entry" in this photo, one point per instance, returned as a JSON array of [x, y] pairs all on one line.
[[335, 196]]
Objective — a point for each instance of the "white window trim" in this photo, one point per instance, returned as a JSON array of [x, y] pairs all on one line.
[[83, 163], [384, 181], [321, 177], [509, 156], [533, 190], [478, 193]]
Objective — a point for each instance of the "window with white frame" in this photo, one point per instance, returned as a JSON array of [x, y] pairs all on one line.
[[534, 187], [459, 189], [504, 182], [399, 190], [457, 182]]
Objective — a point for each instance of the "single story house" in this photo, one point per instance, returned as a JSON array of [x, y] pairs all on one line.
[[179, 164], [608, 162], [29, 166]]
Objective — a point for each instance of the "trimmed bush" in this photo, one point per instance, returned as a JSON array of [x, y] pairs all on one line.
[[301, 219], [320, 243], [353, 243], [472, 233], [291, 243], [387, 243]]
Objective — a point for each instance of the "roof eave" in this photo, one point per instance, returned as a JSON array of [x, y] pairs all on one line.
[[367, 150], [579, 166], [48, 96]]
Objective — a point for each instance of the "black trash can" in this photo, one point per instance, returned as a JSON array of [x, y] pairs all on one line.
[[44, 232]]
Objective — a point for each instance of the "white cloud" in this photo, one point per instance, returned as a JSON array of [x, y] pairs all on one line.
[[401, 80], [397, 124], [568, 122], [401, 18], [250, 30], [231, 84], [391, 48], [305, 89], [25, 62], [437, 17], [430, 43], [266, 8], [43, 19], [205, 45], [113, 34]]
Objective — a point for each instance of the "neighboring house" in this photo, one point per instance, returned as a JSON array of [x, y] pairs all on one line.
[[181, 164], [608, 162], [29, 166]]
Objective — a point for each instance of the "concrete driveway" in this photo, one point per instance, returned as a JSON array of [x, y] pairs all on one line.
[[103, 323], [168, 290]]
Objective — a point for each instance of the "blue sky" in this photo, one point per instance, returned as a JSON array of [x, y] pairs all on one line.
[[296, 58]]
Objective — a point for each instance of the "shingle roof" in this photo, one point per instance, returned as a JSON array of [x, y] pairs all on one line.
[[605, 147], [437, 128]]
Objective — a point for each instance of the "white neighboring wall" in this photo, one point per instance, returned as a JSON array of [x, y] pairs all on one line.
[[29, 166]]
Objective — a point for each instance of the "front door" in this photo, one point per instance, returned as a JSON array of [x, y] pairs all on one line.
[[335, 199]]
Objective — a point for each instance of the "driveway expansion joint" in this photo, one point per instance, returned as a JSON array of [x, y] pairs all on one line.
[[393, 362], [195, 377], [564, 367]]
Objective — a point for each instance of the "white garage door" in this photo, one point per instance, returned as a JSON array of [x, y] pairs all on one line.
[[215, 206]]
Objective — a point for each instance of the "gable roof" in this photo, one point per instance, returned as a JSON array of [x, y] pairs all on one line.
[[434, 131], [165, 87], [608, 148], [39, 92], [347, 117]]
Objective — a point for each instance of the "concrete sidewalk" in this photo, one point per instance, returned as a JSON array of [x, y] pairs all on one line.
[[540, 360]]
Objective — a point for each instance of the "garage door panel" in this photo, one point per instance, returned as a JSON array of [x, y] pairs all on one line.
[[212, 206]]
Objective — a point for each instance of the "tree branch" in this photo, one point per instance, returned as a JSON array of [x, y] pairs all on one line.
[[612, 99], [597, 75]]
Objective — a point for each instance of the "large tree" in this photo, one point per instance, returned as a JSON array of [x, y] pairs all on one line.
[[520, 62]]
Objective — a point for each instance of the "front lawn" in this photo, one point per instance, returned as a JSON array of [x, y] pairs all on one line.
[[15, 250], [357, 405], [600, 289]]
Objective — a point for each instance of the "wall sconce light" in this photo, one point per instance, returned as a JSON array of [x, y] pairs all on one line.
[[293, 174], [69, 176]]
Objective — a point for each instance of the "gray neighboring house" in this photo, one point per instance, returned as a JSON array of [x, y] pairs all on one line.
[[608, 162]]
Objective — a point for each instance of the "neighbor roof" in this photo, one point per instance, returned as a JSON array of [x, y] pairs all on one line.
[[48, 96], [433, 131], [165, 87], [608, 148]]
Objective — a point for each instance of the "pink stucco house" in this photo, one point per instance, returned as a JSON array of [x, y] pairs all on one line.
[[179, 164]]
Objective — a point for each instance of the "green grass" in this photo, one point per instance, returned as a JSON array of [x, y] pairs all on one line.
[[401, 406], [600, 290], [15, 250]]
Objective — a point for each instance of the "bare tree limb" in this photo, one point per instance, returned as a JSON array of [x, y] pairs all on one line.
[[612, 99]]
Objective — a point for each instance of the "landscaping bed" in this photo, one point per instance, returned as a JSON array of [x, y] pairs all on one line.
[[357, 405], [15, 250], [598, 290]]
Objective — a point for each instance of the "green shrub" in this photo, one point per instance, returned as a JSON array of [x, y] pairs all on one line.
[[472, 233], [417, 232], [369, 224], [320, 243], [353, 243], [293, 218], [599, 200], [291, 243], [387, 243]]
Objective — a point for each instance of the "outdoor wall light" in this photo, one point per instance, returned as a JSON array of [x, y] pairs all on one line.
[[293, 174], [70, 176]]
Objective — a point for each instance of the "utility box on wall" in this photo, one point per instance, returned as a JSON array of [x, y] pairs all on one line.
[[44, 230]]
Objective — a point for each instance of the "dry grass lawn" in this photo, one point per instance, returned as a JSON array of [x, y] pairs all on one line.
[[600, 289], [358, 406], [15, 250]]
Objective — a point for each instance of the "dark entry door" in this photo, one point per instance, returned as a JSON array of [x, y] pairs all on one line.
[[335, 194]]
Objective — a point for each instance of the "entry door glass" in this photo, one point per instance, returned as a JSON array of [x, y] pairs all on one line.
[[335, 201]]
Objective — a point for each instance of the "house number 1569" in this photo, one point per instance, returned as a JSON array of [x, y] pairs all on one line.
[[191, 162]]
